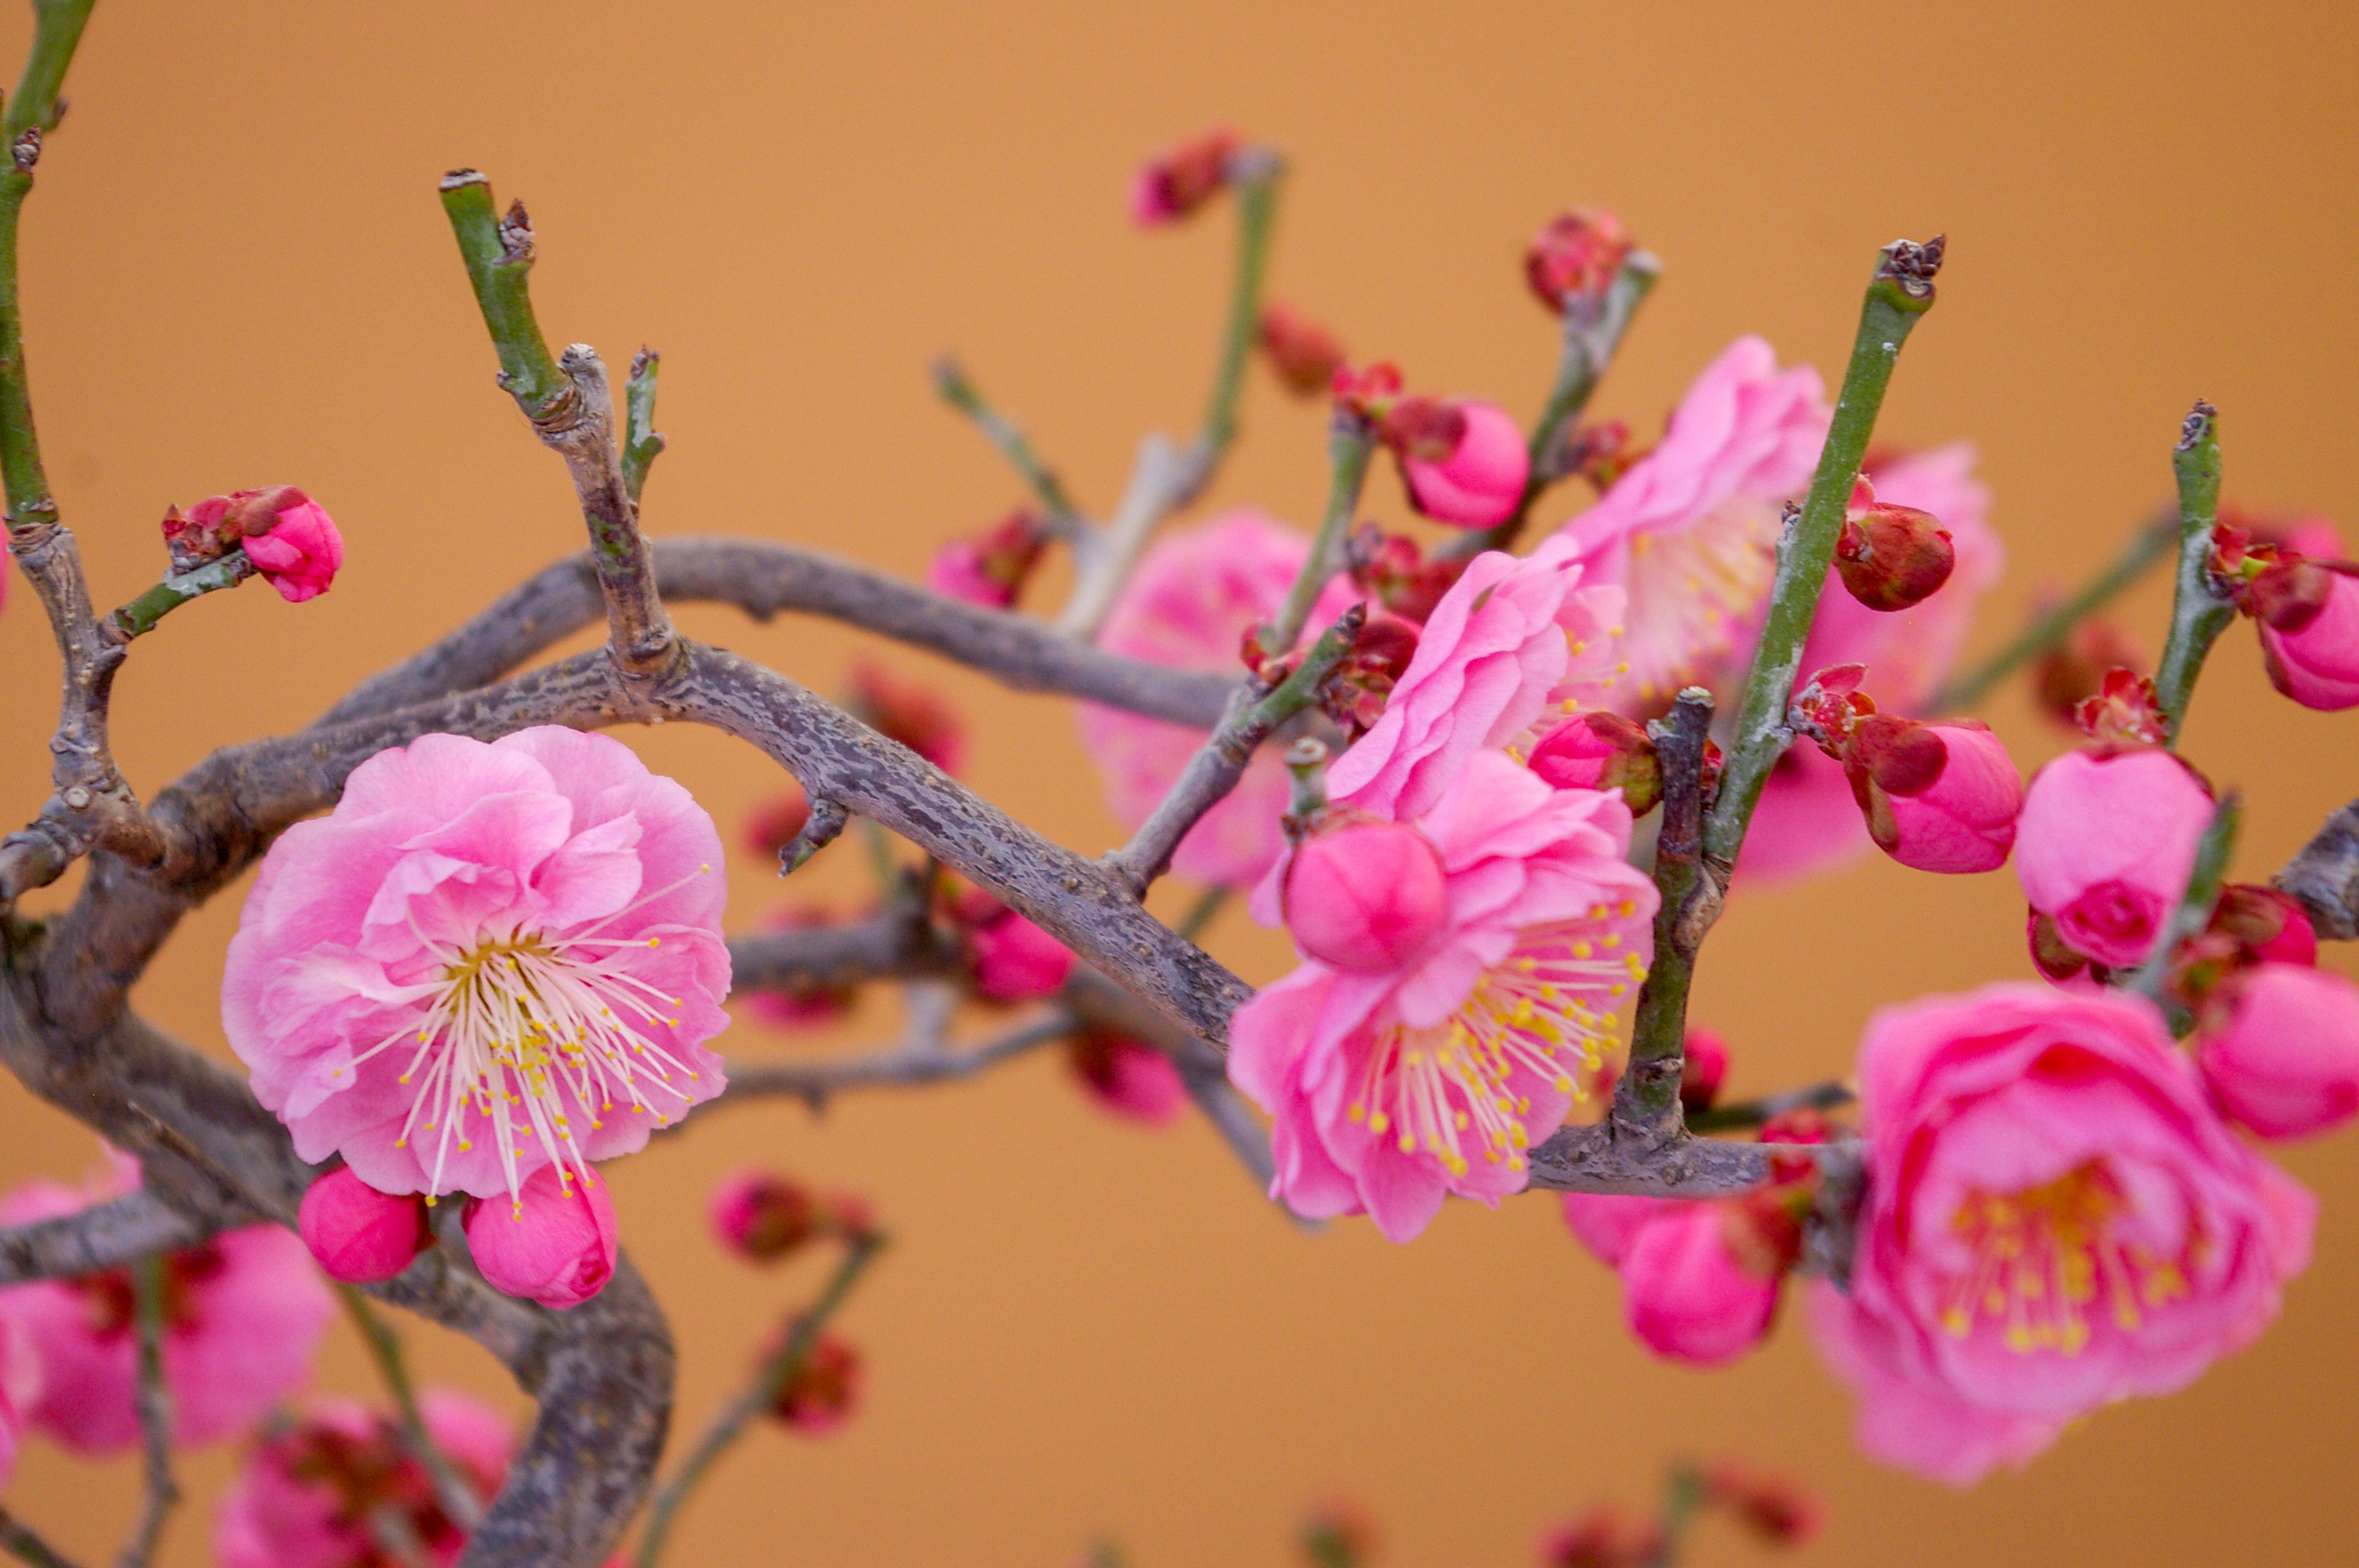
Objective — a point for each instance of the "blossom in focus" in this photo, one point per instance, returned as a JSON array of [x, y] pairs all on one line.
[[1807, 821], [553, 1243], [486, 960], [1482, 480], [800, 1004], [315, 1493], [1305, 354], [357, 1234], [292, 542], [1688, 529], [1126, 1077], [820, 1393], [1008, 957], [1196, 593], [1175, 182], [2057, 1219], [902, 710], [2106, 844], [1687, 1294], [1578, 255], [2279, 1045], [242, 1314], [989, 568], [1393, 1089]]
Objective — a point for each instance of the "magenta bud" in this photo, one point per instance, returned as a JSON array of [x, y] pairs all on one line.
[[1893, 557], [293, 543], [1602, 750], [554, 1243], [2313, 657], [1578, 254], [1703, 1068], [1126, 1077], [1008, 957], [1479, 480], [763, 1218], [1938, 798], [1688, 1295], [1364, 896], [2281, 1049], [358, 1234]]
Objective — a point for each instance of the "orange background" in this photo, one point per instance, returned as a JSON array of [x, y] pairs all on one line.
[[237, 273]]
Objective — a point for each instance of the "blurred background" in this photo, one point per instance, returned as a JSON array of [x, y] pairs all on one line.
[[237, 273]]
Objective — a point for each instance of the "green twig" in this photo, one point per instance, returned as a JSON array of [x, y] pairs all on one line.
[[2194, 911], [498, 253], [451, 1490], [19, 1542], [1685, 1493], [1589, 338], [155, 1399], [960, 392], [1349, 446], [641, 440], [771, 1380], [1647, 1100], [56, 28], [138, 618], [1255, 191], [2198, 613], [2147, 546], [1901, 291]]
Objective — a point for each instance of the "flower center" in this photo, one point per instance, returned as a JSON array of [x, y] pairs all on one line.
[[2046, 1259], [528, 1030], [1448, 1089], [1692, 588]]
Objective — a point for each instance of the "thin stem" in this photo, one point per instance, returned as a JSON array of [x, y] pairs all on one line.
[[901, 1066], [770, 1379], [1647, 1100], [1256, 192], [2147, 546], [2198, 613], [1901, 292], [56, 28], [1737, 1115], [1200, 913], [2194, 911], [498, 253], [959, 391], [1684, 1496], [19, 1542], [139, 617], [1349, 446], [154, 1398], [641, 440], [1589, 337], [451, 1490]]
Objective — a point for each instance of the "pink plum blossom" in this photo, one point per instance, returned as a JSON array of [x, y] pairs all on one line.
[[357, 1234], [1688, 529], [1498, 650], [553, 1243], [1478, 483], [1008, 957], [310, 1495], [2057, 1219], [2315, 659], [1126, 1077], [1188, 606], [293, 543], [2280, 1049], [1943, 799], [1688, 1297], [1806, 822], [1365, 895], [487, 959], [1393, 1089], [243, 1314], [2106, 844]]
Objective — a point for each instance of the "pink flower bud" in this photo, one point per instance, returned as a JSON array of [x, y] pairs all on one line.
[[555, 1244], [358, 1234], [1703, 1068], [1127, 1077], [1365, 896], [821, 1395], [1305, 354], [2105, 846], [989, 569], [1578, 254], [1939, 797], [2267, 927], [764, 1217], [1175, 183], [2280, 1049], [1010, 958], [292, 543], [1893, 557], [2313, 657], [1687, 1297], [1605, 1222], [1478, 483], [1602, 750]]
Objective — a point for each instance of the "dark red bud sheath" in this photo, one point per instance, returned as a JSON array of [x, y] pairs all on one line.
[[1602, 750], [1305, 354], [1577, 255], [1893, 557], [2125, 710]]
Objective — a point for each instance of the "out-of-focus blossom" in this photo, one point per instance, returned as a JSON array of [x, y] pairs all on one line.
[[1126, 1077], [2072, 671], [406, 965], [1008, 957], [553, 1243], [1175, 182], [2279, 1045], [1602, 1537], [1577, 255], [1772, 1508], [989, 568], [820, 1393], [804, 1005], [902, 710], [1688, 1295], [2106, 844], [1305, 354]]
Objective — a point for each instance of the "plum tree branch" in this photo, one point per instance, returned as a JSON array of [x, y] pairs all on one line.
[[2324, 876], [2198, 613], [110, 1236]]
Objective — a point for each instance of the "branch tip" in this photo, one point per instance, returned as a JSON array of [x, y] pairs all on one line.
[[1913, 266], [459, 178], [2199, 424]]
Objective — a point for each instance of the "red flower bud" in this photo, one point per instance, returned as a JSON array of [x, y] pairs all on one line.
[[1176, 182], [1602, 1537], [2267, 927], [1577, 255], [1366, 394], [2051, 953], [1939, 797], [1773, 1508], [1893, 557], [1339, 1533], [1391, 569], [1424, 429], [1354, 695], [1703, 1066], [821, 1394], [1127, 1077], [1305, 354], [1479, 480], [294, 544], [990, 569], [1008, 957], [763, 1218], [1602, 750], [901, 710]]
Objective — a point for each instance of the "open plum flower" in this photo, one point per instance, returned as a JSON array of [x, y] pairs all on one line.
[[2057, 1219], [1395, 1087], [1193, 597], [487, 959]]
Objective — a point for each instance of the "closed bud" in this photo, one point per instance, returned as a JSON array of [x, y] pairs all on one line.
[[2309, 634], [1577, 255], [1363, 895], [763, 1218], [1602, 1537], [1704, 1068], [1939, 797], [1893, 557], [820, 1392], [1602, 750], [1176, 182], [2051, 953], [1127, 1077], [1391, 569], [359, 1235], [1422, 429], [1305, 354], [2073, 670], [901, 711], [2279, 1045], [1008, 957], [1773, 1508], [1353, 696], [2125, 710], [553, 1243], [1688, 1295], [293, 543], [2267, 927], [990, 569], [1477, 479]]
